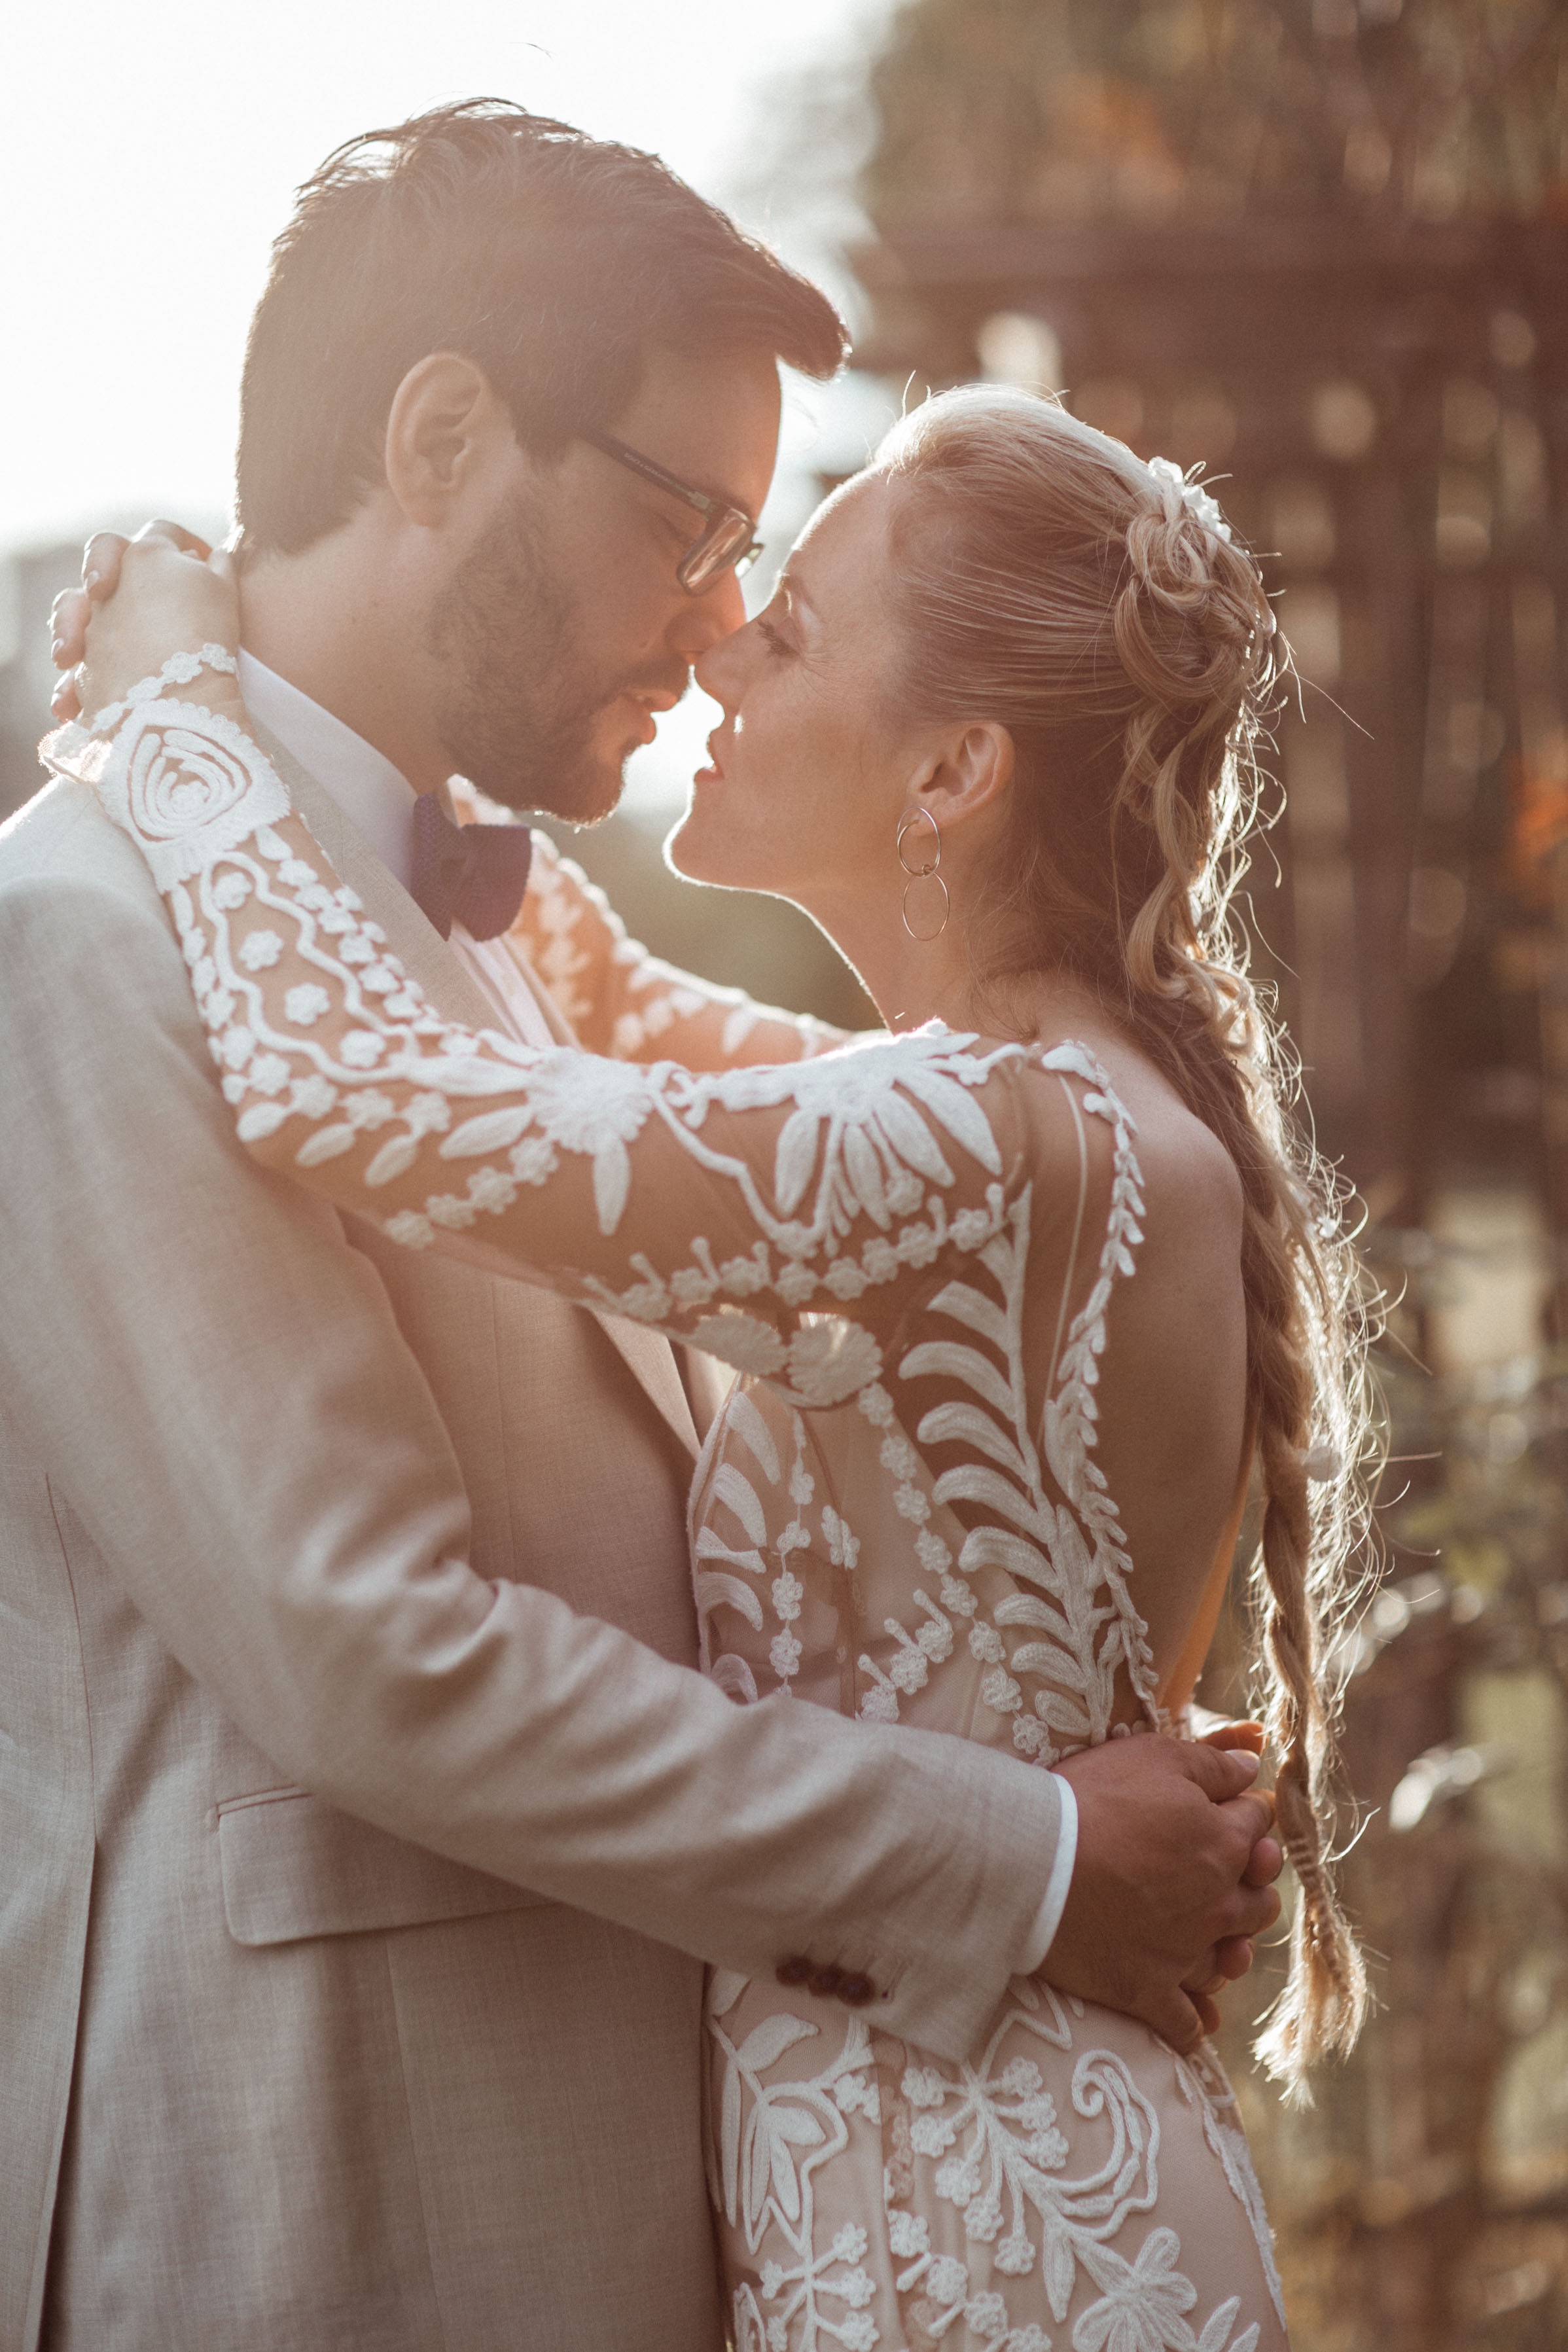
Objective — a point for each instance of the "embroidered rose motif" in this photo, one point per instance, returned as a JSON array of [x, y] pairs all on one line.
[[983, 2220], [852, 2287], [784, 1656], [533, 1160], [315, 1096], [909, 2233], [947, 2281], [269, 1073], [306, 1003], [490, 1190], [787, 1593], [368, 1109], [258, 950], [957, 2180], [409, 1229], [929, 2134]]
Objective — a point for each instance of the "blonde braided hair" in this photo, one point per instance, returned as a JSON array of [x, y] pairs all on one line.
[[1049, 580]]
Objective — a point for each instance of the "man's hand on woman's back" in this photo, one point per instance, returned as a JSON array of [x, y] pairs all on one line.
[[1171, 1881]]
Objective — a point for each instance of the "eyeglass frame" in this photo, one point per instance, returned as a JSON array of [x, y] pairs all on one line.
[[716, 513]]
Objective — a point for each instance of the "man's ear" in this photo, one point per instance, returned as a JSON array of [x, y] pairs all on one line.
[[446, 427], [970, 774]]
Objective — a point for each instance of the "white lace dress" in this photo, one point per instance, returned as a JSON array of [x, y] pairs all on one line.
[[908, 1250]]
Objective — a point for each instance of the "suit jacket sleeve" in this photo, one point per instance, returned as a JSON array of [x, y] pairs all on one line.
[[217, 1380]]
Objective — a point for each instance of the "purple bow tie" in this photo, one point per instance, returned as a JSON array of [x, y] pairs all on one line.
[[470, 873]]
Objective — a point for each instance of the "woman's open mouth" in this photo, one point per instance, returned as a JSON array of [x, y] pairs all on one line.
[[712, 772]]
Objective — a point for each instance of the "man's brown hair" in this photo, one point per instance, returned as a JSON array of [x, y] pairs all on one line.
[[552, 260]]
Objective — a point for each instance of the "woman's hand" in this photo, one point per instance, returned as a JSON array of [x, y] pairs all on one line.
[[1224, 1731], [162, 593], [1233, 1955]]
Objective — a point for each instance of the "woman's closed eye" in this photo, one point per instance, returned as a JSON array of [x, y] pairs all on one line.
[[774, 638]]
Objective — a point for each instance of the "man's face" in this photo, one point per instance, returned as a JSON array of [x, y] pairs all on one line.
[[563, 628]]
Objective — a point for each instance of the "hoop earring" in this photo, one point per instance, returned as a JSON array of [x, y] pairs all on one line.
[[927, 873]]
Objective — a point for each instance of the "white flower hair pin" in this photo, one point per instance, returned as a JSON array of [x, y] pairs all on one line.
[[1200, 503]]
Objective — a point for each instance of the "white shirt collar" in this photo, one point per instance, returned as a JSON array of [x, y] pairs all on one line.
[[376, 798]]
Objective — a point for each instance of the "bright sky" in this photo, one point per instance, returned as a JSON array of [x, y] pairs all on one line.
[[151, 148], [150, 153]]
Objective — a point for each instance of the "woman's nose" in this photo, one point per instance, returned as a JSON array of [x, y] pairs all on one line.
[[716, 667]]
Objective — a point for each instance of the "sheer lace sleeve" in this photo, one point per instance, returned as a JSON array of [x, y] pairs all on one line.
[[627, 1003], [783, 1219]]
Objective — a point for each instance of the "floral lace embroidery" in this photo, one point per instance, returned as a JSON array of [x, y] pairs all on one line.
[[1067, 1555], [627, 1003], [771, 2141], [180, 669], [316, 1027], [987, 2139], [1066, 1623]]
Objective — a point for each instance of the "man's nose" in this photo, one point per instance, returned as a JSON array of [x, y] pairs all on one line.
[[705, 620]]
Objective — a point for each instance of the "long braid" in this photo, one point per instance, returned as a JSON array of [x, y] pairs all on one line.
[[1054, 582], [1298, 1283], [1325, 1998]]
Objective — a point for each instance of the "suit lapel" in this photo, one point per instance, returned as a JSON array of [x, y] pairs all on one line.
[[427, 958], [651, 1360]]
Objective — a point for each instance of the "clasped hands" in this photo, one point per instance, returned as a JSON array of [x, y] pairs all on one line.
[[1174, 1878], [186, 594]]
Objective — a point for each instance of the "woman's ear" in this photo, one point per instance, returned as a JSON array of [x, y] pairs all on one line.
[[971, 773], [444, 429]]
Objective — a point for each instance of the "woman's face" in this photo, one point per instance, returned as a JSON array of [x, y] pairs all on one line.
[[811, 767]]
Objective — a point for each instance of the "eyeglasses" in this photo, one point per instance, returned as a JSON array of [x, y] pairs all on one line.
[[728, 540]]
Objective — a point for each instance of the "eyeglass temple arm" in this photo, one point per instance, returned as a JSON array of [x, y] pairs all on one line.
[[610, 447]]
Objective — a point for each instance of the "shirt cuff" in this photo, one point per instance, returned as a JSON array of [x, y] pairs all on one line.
[[1050, 1917]]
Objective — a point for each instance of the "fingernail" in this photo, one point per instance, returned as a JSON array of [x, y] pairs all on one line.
[[57, 646], [1251, 1765], [91, 578]]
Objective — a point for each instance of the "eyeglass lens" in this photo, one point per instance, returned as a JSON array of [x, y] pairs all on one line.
[[727, 547]]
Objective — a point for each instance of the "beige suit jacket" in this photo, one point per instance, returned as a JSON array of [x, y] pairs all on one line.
[[363, 1826]]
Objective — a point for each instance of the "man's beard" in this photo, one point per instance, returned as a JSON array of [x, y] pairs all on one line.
[[522, 698]]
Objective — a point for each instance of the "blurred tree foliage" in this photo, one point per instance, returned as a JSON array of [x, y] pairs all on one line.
[[1423, 2201], [1148, 110]]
